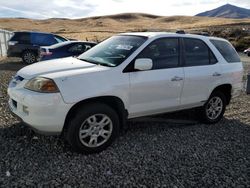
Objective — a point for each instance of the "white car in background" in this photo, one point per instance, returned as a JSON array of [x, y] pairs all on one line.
[[247, 51], [89, 98]]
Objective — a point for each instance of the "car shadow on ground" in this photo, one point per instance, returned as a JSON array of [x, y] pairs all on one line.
[[11, 64], [153, 125], [147, 147]]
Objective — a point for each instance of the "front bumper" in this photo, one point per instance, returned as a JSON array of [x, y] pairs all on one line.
[[43, 112]]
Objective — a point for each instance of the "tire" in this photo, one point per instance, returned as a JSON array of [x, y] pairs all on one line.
[[29, 57], [209, 114], [84, 125], [248, 54]]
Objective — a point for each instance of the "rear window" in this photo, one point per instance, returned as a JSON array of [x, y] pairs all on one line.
[[21, 37], [226, 50]]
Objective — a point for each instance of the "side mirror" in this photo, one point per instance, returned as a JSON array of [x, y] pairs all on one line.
[[143, 64]]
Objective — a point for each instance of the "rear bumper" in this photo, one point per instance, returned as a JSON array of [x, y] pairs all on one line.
[[11, 53]]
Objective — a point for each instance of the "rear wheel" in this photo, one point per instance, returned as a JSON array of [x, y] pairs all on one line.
[[29, 57], [93, 129], [214, 109]]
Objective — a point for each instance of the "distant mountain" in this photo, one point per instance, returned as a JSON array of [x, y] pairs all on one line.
[[227, 11]]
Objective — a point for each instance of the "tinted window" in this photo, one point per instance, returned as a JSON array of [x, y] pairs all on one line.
[[163, 52], [226, 50], [79, 48], [21, 37], [43, 39], [113, 51], [59, 39], [213, 59], [197, 53]]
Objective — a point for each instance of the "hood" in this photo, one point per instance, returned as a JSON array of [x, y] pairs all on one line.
[[53, 66]]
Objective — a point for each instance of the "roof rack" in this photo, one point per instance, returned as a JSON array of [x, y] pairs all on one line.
[[201, 33], [180, 32]]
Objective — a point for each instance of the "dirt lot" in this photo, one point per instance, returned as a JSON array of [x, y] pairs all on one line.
[[163, 151]]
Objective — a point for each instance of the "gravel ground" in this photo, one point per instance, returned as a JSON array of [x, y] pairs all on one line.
[[154, 152]]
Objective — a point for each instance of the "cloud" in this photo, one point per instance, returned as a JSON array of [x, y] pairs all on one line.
[[42, 9]]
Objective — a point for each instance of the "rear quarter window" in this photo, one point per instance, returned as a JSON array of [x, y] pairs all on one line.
[[226, 50]]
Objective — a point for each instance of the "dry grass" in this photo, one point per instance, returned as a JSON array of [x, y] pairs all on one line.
[[101, 27], [2, 58]]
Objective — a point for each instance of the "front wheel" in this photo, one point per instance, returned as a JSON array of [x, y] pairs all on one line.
[[93, 129], [214, 108]]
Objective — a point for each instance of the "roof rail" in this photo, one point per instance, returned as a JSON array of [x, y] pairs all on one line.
[[202, 33], [180, 32]]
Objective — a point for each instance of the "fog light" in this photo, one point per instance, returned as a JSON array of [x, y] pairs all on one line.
[[25, 110]]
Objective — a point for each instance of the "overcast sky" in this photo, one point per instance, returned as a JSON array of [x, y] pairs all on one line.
[[42, 9]]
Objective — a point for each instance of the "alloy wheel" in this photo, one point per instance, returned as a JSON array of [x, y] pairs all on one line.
[[95, 130]]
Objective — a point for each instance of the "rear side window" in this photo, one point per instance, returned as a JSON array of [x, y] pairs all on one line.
[[23, 38], [197, 53], [43, 39], [226, 50]]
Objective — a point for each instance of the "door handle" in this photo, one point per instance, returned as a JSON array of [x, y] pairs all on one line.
[[176, 78], [216, 74]]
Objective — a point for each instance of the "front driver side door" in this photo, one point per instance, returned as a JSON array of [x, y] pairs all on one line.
[[157, 90]]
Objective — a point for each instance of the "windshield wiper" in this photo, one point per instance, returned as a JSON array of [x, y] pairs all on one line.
[[98, 63], [105, 64], [87, 60]]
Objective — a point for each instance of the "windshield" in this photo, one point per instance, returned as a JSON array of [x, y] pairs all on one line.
[[58, 45], [113, 51]]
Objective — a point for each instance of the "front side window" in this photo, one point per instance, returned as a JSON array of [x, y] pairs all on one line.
[[113, 51], [197, 53], [163, 52], [226, 50]]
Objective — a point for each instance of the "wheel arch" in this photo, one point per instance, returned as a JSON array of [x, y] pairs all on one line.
[[226, 89], [30, 50], [114, 102]]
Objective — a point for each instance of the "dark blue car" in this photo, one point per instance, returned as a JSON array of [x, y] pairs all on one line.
[[65, 49]]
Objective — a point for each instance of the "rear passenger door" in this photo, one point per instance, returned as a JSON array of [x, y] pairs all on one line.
[[202, 72], [159, 89]]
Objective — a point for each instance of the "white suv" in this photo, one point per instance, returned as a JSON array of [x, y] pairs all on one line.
[[89, 98]]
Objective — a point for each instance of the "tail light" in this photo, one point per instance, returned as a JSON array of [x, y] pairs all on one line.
[[12, 43], [45, 52]]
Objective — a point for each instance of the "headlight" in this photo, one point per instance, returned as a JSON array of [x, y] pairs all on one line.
[[43, 85]]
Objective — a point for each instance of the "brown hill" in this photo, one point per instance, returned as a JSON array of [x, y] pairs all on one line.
[[101, 27]]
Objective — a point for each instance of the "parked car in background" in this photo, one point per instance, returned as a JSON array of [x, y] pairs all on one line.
[[65, 49], [247, 51], [26, 44], [89, 98]]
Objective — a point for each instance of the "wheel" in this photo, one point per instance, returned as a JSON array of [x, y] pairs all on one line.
[[248, 54], [29, 57], [93, 129], [214, 108]]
